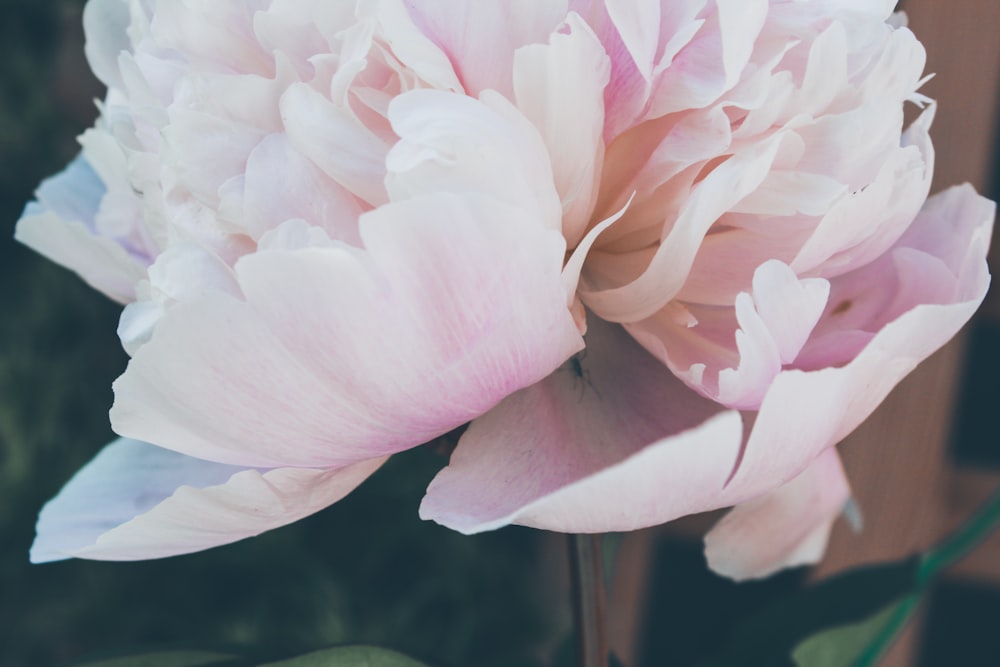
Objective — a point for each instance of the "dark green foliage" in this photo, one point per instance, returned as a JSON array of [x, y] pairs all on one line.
[[178, 658], [769, 637]]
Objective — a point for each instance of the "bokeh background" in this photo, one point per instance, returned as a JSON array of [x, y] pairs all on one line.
[[367, 570]]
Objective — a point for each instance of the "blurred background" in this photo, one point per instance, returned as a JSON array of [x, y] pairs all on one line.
[[367, 570]]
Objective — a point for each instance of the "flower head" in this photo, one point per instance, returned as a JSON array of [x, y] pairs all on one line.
[[660, 256]]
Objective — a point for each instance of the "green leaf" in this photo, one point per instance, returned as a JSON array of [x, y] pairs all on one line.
[[350, 656], [856, 644], [769, 636], [165, 659]]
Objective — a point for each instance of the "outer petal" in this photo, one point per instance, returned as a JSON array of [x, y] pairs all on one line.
[[621, 446], [806, 412], [137, 501], [105, 24], [61, 226], [339, 354], [787, 527]]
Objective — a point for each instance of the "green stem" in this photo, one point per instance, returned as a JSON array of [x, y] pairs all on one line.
[[967, 538], [900, 617], [953, 549], [587, 577]]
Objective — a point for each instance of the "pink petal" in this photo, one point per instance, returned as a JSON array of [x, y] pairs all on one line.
[[559, 86], [243, 99], [335, 141], [732, 355], [461, 144], [217, 35], [415, 51], [183, 272], [788, 307], [480, 38], [667, 269], [136, 501], [639, 27], [786, 527], [573, 452], [619, 446], [697, 75], [935, 262], [628, 89], [205, 151], [860, 227], [773, 328], [805, 412], [281, 184], [339, 354]]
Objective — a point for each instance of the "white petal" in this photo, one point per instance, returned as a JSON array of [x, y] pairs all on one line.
[[61, 226], [136, 501], [786, 527]]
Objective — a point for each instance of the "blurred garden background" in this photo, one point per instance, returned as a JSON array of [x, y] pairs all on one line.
[[365, 570]]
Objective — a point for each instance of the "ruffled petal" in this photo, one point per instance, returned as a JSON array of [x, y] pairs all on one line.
[[786, 527], [412, 47], [614, 294], [611, 441], [137, 501], [336, 354], [712, 61], [480, 38], [733, 355]]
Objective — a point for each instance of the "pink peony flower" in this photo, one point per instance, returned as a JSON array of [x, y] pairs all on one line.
[[661, 257]]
